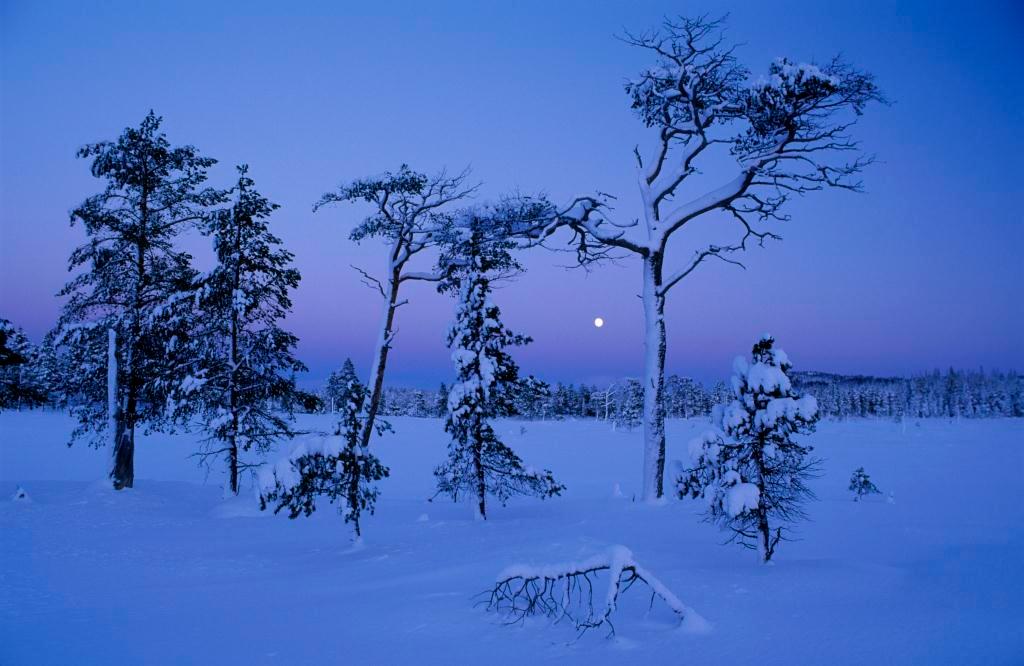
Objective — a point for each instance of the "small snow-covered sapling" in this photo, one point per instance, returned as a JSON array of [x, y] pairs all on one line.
[[861, 485]]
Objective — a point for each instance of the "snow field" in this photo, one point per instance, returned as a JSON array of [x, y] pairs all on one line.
[[171, 572]]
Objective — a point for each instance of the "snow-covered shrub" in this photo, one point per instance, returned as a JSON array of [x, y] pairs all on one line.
[[476, 251], [861, 485], [751, 473], [336, 467], [567, 591]]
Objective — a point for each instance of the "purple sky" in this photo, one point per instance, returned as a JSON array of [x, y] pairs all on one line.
[[923, 271]]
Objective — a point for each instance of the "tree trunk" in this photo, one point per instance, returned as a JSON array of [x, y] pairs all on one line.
[[233, 374], [380, 358], [481, 484], [654, 379], [123, 473], [765, 545], [353, 497]]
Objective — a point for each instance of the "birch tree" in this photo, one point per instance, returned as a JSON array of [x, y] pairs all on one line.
[[408, 210], [787, 133]]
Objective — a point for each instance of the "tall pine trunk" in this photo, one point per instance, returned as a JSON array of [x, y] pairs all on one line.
[[654, 378], [380, 358], [233, 374], [122, 474]]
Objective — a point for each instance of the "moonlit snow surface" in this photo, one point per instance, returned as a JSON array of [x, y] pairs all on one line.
[[171, 573]]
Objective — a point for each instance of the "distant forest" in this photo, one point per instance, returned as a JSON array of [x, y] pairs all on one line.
[[25, 383], [953, 394]]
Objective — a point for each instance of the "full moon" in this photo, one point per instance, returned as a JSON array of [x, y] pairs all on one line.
[[598, 322]]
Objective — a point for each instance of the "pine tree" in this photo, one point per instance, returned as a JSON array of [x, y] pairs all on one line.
[[477, 251], [132, 270], [338, 385], [238, 365], [338, 468], [861, 485], [751, 473]]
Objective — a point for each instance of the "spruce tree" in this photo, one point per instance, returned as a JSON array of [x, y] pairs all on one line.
[[338, 384], [861, 485], [130, 271], [477, 251], [339, 468], [237, 367], [441, 405], [751, 473]]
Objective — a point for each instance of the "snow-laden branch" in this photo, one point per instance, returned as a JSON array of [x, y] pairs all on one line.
[[567, 591]]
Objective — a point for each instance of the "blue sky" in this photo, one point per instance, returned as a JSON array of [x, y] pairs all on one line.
[[922, 271]]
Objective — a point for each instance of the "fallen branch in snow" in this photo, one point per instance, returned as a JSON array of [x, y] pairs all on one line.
[[567, 591]]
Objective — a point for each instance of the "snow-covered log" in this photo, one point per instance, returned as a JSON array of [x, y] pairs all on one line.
[[571, 591]]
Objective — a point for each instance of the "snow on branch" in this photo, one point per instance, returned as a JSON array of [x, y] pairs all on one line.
[[569, 591]]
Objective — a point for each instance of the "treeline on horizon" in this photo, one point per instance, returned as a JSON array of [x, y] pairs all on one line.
[[25, 384], [953, 393]]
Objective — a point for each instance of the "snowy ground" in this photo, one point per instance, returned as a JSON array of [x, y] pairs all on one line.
[[171, 573]]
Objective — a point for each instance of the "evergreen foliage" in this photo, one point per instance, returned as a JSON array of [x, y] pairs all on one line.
[[338, 384], [751, 472], [236, 367], [337, 467], [861, 485], [23, 372], [129, 272], [477, 251]]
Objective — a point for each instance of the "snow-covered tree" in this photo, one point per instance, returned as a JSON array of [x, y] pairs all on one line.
[[23, 376], [751, 473], [337, 467], [441, 404], [629, 408], [787, 133], [338, 383], [408, 209], [130, 270], [476, 252], [861, 485], [238, 364], [532, 398]]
